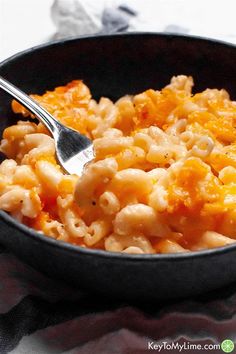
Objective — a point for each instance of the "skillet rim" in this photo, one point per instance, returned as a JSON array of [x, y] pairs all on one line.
[[75, 249]]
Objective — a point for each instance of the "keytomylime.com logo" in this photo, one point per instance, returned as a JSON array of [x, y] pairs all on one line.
[[227, 346]]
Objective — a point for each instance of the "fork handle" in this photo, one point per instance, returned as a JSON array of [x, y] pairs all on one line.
[[46, 118]]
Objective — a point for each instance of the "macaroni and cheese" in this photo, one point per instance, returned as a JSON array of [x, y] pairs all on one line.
[[163, 179]]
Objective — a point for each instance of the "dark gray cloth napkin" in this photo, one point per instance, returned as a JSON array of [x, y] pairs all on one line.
[[42, 315]]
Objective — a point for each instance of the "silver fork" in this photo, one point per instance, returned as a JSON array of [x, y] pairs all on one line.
[[73, 150]]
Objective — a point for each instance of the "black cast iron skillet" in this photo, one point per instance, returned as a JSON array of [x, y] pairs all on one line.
[[114, 66]]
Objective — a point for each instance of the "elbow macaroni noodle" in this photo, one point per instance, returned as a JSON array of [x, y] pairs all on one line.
[[163, 179]]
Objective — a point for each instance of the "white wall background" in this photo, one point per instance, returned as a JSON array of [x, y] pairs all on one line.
[[25, 23]]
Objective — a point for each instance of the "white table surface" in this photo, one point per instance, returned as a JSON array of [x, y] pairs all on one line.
[[25, 23]]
